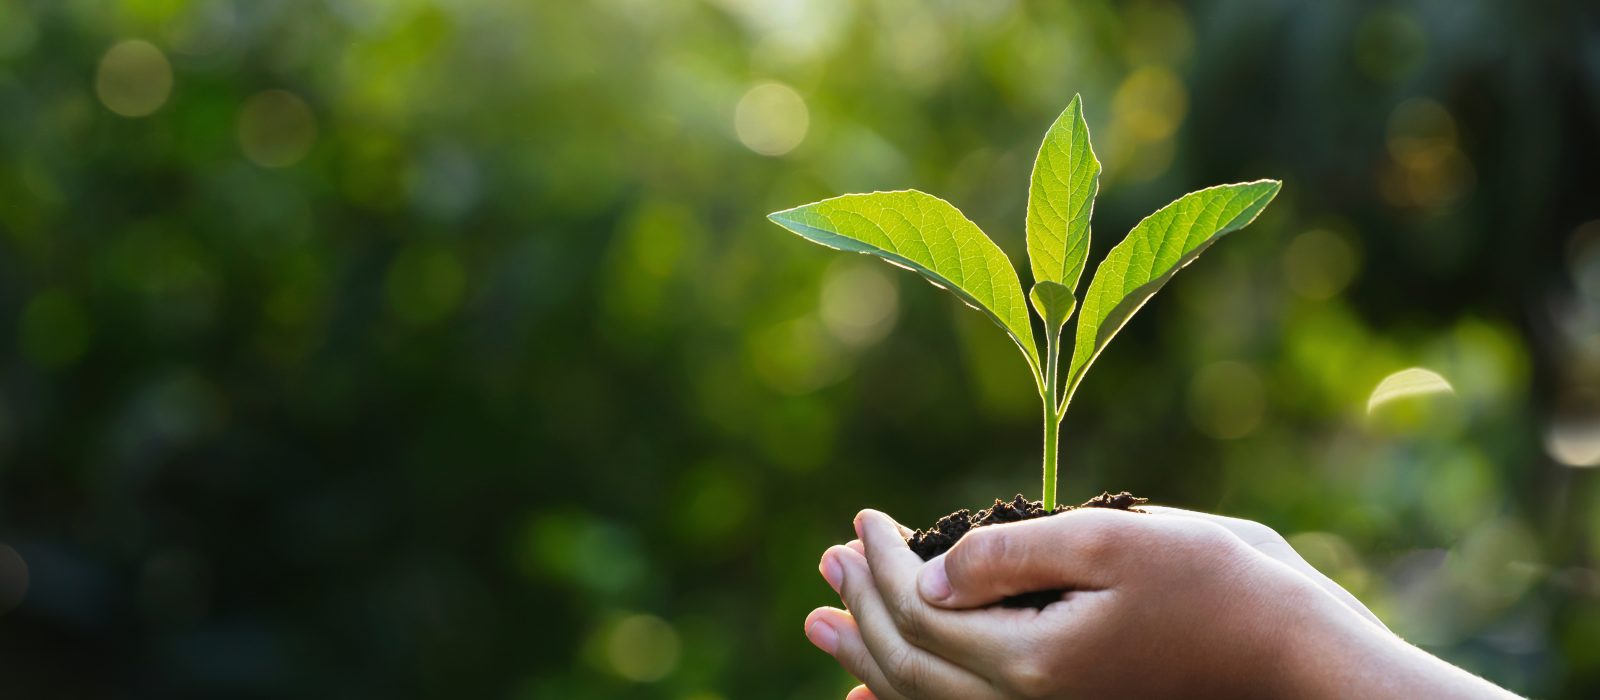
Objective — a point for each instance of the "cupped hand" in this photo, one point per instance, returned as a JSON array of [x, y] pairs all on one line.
[[1163, 603]]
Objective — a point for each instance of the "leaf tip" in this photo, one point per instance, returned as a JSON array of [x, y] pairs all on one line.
[[786, 217]]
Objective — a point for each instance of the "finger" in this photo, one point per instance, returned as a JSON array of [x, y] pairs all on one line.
[[983, 641], [829, 570], [860, 692], [911, 670], [1267, 541], [894, 571], [1000, 646], [834, 631], [905, 532], [1081, 550]]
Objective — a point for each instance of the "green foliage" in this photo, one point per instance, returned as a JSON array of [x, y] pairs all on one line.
[[930, 236], [1153, 252], [926, 234], [1066, 177]]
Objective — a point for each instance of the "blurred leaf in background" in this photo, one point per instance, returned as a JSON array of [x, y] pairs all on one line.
[[440, 348]]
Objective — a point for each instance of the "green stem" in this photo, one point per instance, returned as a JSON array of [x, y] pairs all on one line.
[[1052, 417]]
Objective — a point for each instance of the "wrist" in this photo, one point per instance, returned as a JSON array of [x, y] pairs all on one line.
[[1334, 653], [1326, 650]]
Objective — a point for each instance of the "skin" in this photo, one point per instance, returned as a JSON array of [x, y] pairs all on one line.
[[1168, 603]]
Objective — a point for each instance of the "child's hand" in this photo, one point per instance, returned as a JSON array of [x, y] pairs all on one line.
[[1163, 603]]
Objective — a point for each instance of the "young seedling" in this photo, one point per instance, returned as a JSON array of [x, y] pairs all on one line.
[[928, 235]]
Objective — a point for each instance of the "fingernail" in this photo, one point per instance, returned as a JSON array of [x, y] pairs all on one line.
[[831, 571], [933, 582], [823, 635], [859, 517]]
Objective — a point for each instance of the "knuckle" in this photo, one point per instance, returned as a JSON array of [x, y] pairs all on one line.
[[1028, 678], [1104, 540], [988, 546], [1215, 537], [1261, 534]]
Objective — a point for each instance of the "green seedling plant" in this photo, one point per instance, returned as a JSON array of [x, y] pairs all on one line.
[[928, 235]]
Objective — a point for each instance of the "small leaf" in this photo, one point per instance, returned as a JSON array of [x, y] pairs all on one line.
[[1152, 253], [926, 234], [1054, 302], [1066, 177]]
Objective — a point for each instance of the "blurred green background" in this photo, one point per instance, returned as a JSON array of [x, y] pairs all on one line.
[[440, 348]]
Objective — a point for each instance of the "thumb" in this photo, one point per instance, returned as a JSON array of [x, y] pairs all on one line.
[[1078, 550]]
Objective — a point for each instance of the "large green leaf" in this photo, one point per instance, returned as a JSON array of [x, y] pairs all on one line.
[[1066, 177], [921, 232], [1152, 253]]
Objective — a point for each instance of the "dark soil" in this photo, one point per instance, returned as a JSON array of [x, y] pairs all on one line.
[[950, 528]]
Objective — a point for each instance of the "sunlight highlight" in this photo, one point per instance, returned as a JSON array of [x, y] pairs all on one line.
[[134, 79], [1406, 383], [771, 119]]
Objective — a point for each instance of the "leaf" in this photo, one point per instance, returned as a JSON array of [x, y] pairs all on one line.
[[1153, 252], [1066, 177], [926, 234], [1054, 302]]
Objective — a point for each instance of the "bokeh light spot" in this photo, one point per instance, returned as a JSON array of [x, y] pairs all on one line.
[[55, 330], [1414, 381], [859, 301], [276, 128], [1428, 169], [134, 78], [1319, 264], [13, 578], [1574, 440], [1150, 103], [771, 119], [1421, 133], [1227, 400], [642, 648]]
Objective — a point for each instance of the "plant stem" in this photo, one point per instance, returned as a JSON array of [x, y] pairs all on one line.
[[1052, 417]]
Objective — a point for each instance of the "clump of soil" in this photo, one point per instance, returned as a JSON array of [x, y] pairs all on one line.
[[944, 534]]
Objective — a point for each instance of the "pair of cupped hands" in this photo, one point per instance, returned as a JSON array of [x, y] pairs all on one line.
[[1159, 603]]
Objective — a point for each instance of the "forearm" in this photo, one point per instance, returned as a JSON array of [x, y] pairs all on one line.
[[1334, 655]]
